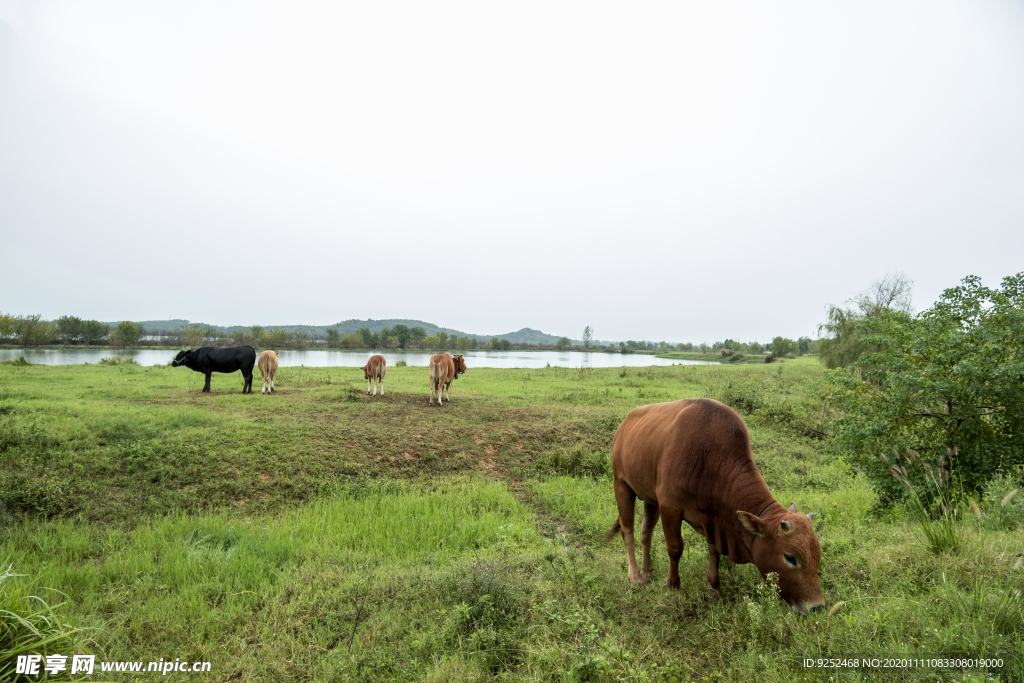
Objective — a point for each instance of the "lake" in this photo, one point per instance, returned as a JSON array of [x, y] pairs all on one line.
[[356, 359]]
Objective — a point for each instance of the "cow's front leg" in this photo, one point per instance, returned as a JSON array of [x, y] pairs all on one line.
[[369, 383], [671, 524], [712, 580], [206, 387], [647, 524]]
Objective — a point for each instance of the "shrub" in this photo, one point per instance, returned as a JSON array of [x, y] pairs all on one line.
[[400, 364], [486, 594], [579, 461], [946, 379], [118, 360], [19, 362]]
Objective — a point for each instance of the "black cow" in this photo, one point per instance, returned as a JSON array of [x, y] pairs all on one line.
[[210, 359]]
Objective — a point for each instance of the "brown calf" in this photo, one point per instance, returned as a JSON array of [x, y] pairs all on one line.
[[374, 371], [268, 368]]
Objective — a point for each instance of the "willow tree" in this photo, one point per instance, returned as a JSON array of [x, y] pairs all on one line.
[[843, 343]]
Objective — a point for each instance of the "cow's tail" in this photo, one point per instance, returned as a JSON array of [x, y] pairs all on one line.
[[611, 533]]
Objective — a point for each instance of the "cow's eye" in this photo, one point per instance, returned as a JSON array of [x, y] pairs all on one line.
[[790, 560]]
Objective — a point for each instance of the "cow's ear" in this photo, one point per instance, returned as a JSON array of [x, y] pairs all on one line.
[[751, 523], [792, 507], [810, 516]]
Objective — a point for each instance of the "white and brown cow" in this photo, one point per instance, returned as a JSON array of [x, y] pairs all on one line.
[[268, 368], [443, 369], [373, 372]]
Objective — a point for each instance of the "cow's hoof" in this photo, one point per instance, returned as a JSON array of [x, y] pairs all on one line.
[[645, 577]]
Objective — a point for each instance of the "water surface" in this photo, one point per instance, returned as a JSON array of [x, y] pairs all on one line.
[[356, 359]]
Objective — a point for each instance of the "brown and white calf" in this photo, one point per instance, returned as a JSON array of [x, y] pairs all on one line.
[[373, 372], [443, 369], [268, 368]]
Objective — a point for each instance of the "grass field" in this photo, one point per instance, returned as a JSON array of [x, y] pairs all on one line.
[[319, 534]]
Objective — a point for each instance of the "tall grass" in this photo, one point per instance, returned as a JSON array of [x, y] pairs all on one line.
[[29, 624], [118, 360], [941, 530]]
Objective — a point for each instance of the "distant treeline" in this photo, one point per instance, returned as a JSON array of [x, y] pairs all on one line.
[[32, 330]]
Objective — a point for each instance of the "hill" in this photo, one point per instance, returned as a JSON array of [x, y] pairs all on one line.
[[525, 335]]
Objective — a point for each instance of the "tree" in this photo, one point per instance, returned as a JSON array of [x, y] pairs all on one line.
[[93, 331], [256, 335], [416, 335], [804, 345], [369, 341], [842, 344], [782, 347], [950, 380], [8, 325], [403, 334], [192, 336], [126, 334], [69, 328], [333, 338], [562, 343], [275, 338], [32, 330], [442, 340], [588, 336], [353, 340]]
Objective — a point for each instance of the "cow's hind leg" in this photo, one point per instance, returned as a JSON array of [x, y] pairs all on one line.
[[671, 524], [247, 387], [647, 524], [625, 499]]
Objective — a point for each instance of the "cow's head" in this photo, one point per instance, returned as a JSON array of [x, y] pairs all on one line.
[[460, 365], [366, 371], [181, 359], [787, 545]]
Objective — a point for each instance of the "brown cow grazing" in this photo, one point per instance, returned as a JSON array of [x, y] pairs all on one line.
[[690, 461], [373, 372], [268, 368], [443, 369]]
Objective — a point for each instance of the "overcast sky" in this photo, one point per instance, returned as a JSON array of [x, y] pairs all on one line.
[[677, 171]]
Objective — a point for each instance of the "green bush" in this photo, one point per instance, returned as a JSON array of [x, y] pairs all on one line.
[[19, 362], [946, 379], [486, 594]]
